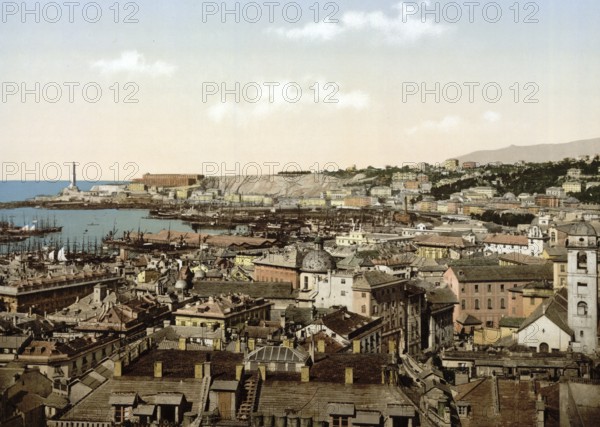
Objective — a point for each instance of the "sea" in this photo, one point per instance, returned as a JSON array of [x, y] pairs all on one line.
[[81, 228]]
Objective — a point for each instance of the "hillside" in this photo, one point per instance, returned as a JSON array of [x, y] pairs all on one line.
[[278, 185], [535, 153]]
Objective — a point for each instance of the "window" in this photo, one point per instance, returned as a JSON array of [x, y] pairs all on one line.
[[305, 282], [339, 421], [343, 281], [363, 294], [489, 288], [582, 309], [502, 305], [375, 309], [562, 268], [501, 288], [532, 301], [476, 304], [476, 288], [343, 293], [581, 333], [489, 324], [582, 260], [463, 304], [489, 305], [363, 309], [582, 288]]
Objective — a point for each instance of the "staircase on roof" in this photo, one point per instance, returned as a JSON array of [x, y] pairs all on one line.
[[251, 391]]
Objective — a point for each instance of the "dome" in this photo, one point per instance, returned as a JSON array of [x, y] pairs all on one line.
[[582, 228], [318, 261]]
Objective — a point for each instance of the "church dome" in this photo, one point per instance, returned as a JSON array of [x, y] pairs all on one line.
[[582, 228], [318, 261]]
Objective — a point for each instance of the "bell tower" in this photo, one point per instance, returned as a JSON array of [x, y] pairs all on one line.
[[582, 282]]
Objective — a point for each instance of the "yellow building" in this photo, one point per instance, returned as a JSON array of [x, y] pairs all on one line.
[[233, 198], [313, 202], [451, 165], [572, 187], [225, 311], [148, 276], [183, 193], [243, 260], [138, 187]]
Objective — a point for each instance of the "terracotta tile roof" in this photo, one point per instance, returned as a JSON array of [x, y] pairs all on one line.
[[178, 364], [517, 273], [506, 239], [344, 322], [441, 241], [268, 290], [331, 367]]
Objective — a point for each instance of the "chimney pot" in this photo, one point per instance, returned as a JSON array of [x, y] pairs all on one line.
[[349, 375]]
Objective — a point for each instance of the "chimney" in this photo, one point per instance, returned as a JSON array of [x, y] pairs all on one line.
[[198, 371], [182, 345], [349, 375], [540, 408], [239, 371], [321, 346], [158, 370], [207, 369], [238, 346], [251, 344], [305, 374], [118, 369], [356, 347], [286, 343], [217, 344], [262, 369]]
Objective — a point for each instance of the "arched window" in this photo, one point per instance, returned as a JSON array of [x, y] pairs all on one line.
[[502, 305], [463, 304], [582, 260], [582, 309], [476, 304], [489, 304]]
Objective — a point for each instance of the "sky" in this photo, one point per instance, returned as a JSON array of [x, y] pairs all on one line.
[[125, 88]]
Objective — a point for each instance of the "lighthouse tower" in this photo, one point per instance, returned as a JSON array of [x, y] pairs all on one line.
[[582, 282], [73, 184]]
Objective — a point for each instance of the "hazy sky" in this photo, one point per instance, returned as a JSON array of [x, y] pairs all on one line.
[[377, 53]]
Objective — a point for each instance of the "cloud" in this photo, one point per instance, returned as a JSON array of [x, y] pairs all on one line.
[[491, 116], [402, 28], [311, 31], [357, 100], [135, 63], [447, 124], [330, 98]]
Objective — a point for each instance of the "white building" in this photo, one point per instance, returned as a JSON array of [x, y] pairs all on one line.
[[546, 329], [532, 244], [555, 191], [335, 290]]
